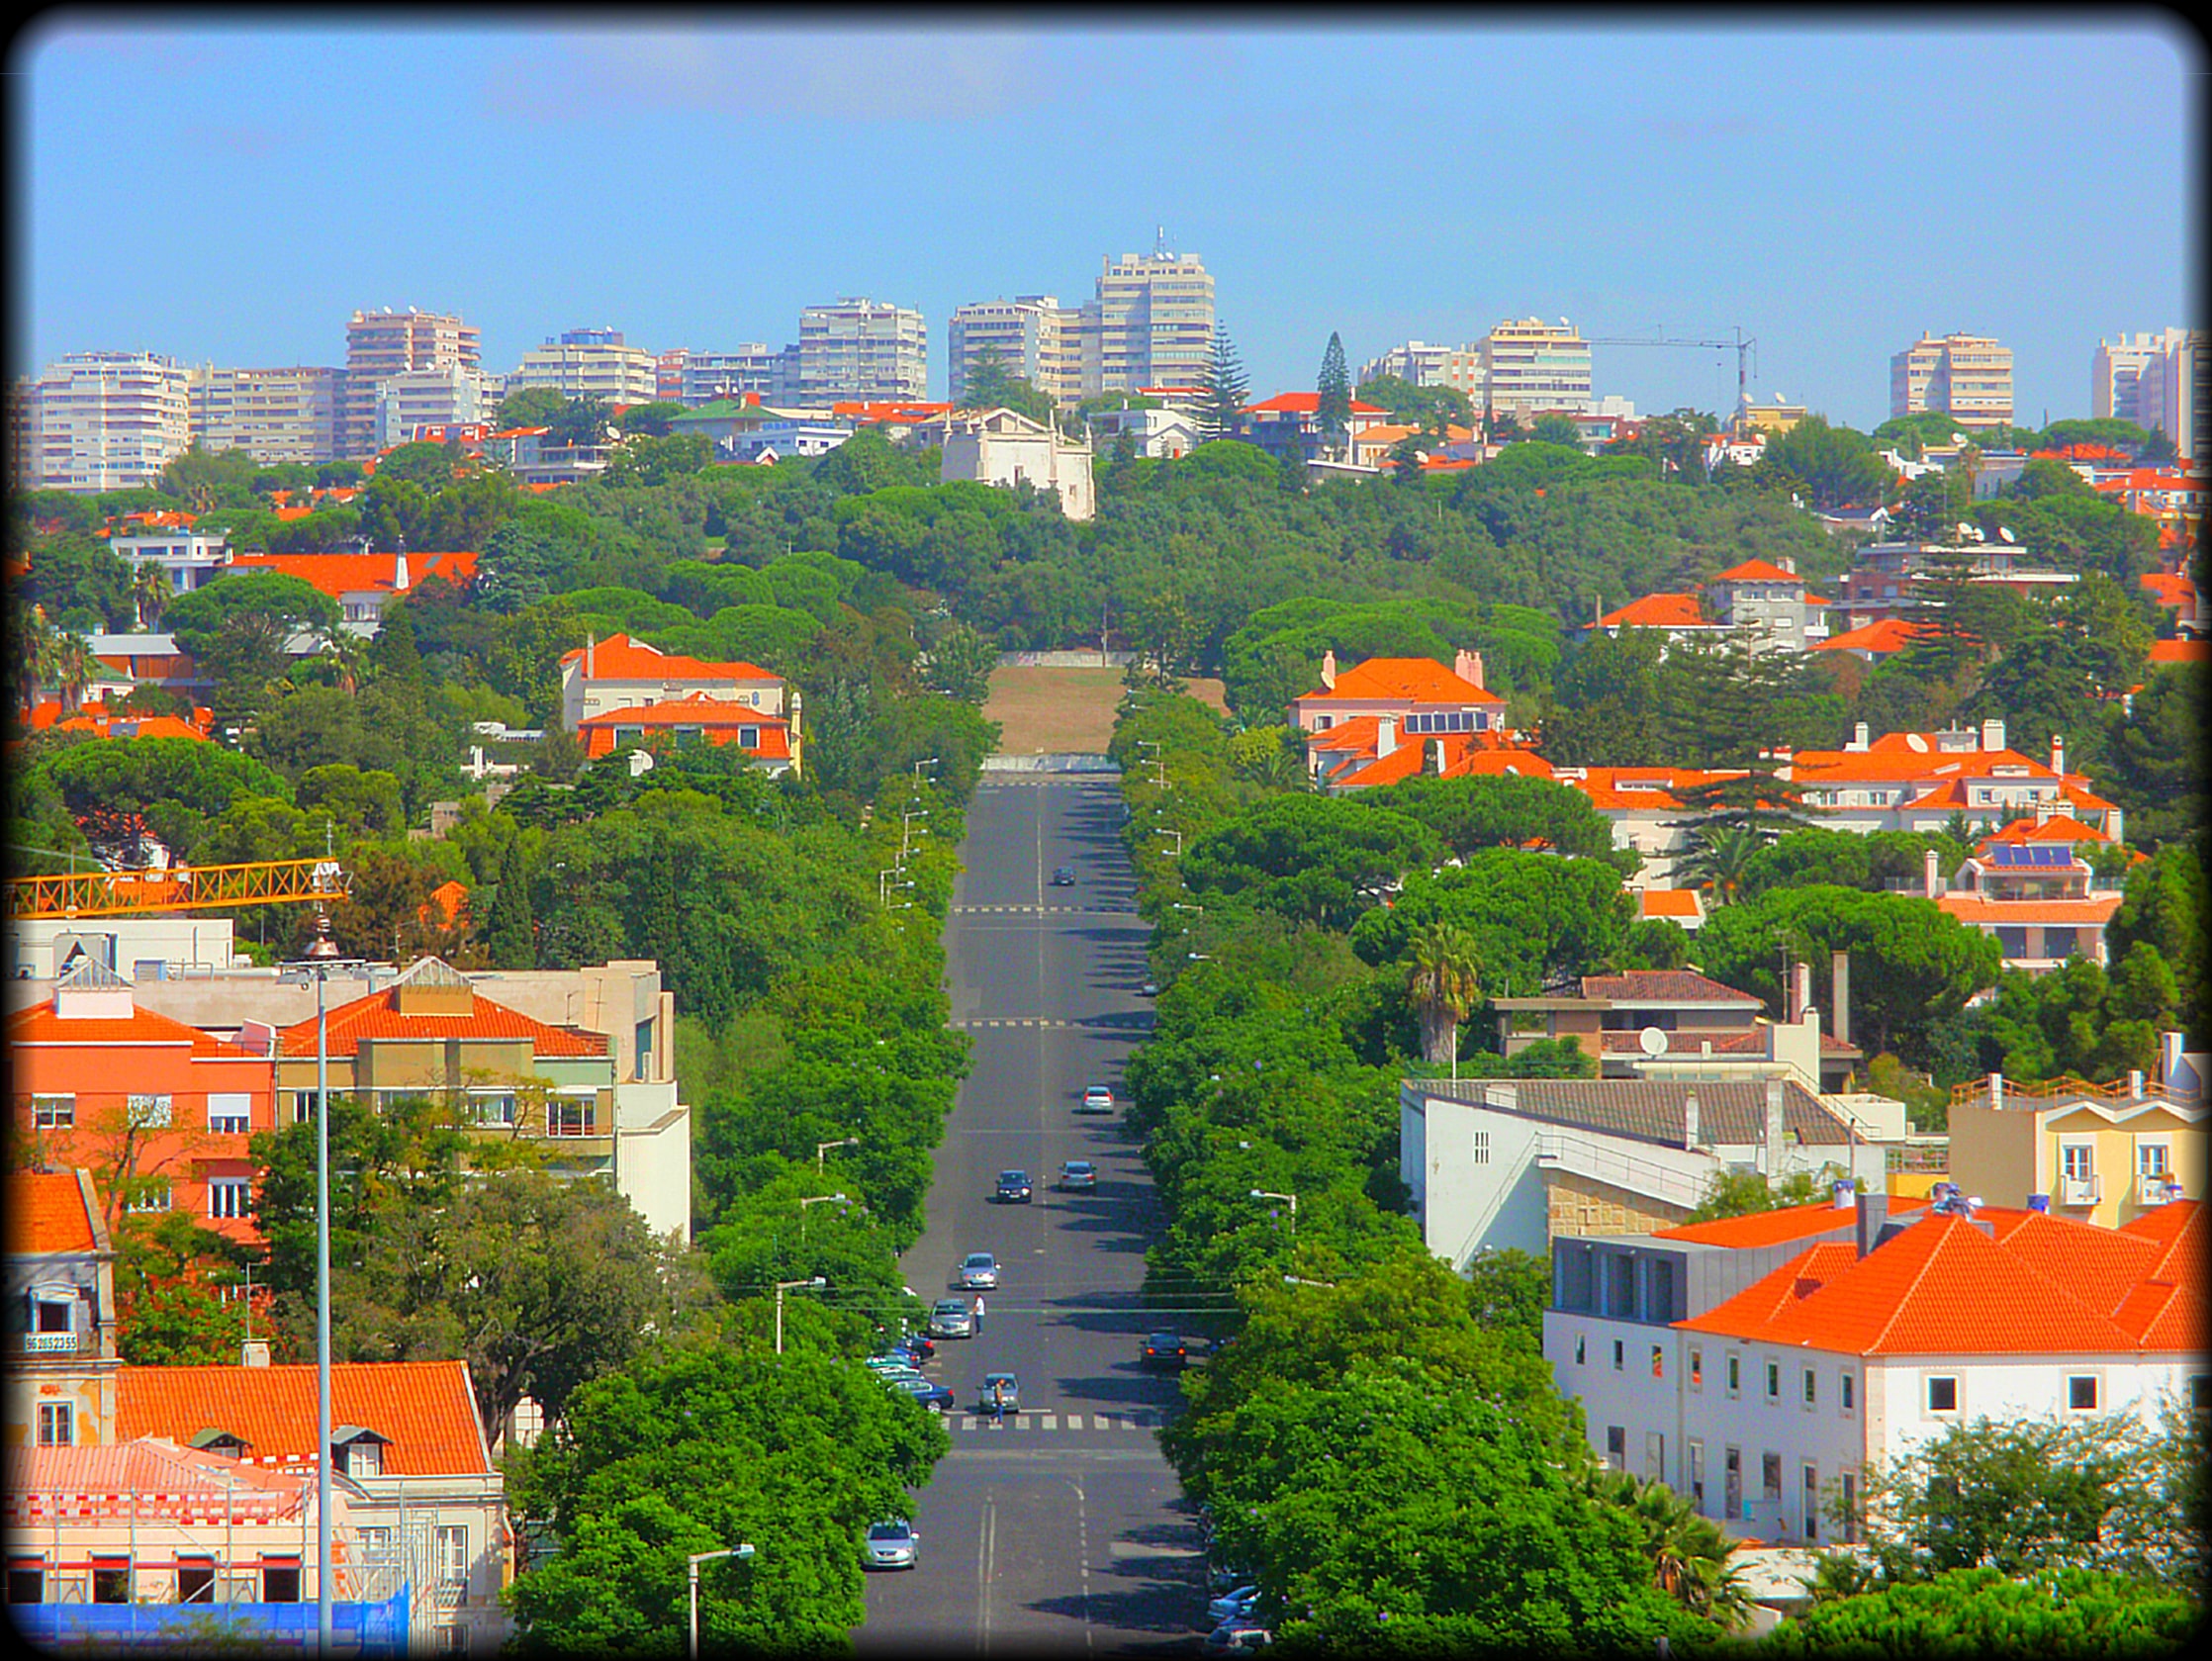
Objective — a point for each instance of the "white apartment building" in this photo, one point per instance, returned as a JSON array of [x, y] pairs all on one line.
[[1967, 377], [452, 395], [2174, 392], [1759, 1365], [108, 421], [1529, 368], [382, 345], [1424, 365], [1151, 323], [589, 363], [861, 350], [189, 559], [275, 416], [1035, 337], [2116, 374], [707, 377]]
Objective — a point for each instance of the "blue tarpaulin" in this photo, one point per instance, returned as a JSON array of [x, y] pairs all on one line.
[[357, 1630]]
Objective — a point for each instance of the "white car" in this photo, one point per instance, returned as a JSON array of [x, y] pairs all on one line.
[[979, 1272], [891, 1543], [1096, 1099]]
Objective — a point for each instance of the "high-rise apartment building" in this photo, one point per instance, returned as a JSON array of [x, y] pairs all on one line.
[[2116, 374], [589, 363], [107, 420], [1527, 368], [381, 344], [1033, 335], [23, 449], [1422, 365], [750, 368], [863, 350], [273, 415], [449, 396], [1151, 323], [1967, 377], [2173, 394]]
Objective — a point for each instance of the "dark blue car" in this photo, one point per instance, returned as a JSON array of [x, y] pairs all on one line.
[[936, 1397]]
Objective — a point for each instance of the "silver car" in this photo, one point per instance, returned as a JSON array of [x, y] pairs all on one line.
[[1078, 1173], [891, 1543], [979, 1272], [949, 1318]]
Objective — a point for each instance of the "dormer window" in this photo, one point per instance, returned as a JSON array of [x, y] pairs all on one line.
[[355, 1451]]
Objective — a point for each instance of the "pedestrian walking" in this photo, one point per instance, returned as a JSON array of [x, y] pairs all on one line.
[[979, 1314], [998, 1405]]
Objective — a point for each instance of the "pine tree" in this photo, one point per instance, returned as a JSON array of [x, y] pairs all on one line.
[[1225, 390], [1333, 413], [511, 930]]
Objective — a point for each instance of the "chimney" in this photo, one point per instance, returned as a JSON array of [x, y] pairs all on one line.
[[1432, 758], [2134, 1083], [1800, 992], [1328, 668], [591, 653], [1839, 996], [1773, 1139], [1993, 735], [1931, 875], [2057, 754], [1860, 738], [1874, 1211], [1690, 1121], [1468, 666], [2169, 1056], [1386, 736], [398, 572], [256, 1354], [1845, 1195], [1997, 1089]]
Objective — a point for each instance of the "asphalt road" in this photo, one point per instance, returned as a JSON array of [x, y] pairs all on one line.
[[1059, 1531]]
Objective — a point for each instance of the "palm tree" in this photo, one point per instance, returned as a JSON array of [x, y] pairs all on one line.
[[1719, 859], [346, 654], [74, 668], [151, 593], [1688, 1552], [1443, 979], [38, 661]]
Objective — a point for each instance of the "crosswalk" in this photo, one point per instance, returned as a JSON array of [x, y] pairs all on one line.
[[1016, 1021], [1062, 1422], [1041, 911]]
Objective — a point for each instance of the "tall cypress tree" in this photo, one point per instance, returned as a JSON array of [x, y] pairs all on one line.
[[1226, 391], [1333, 413], [510, 931]]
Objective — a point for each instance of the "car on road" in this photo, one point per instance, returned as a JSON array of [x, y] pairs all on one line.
[[936, 1397], [1235, 1637], [1163, 1352], [1009, 1389], [949, 1318], [892, 1366], [890, 1544], [1150, 988], [1227, 1577], [1013, 1188], [1063, 877], [1233, 1605], [920, 1346], [979, 1272], [1096, 1099], [1077, 1173]]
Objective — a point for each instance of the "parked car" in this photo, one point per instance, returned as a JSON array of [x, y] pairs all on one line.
[[1063, 877], [1009, 1387], [1233, 1637], [920, 1346], [936, 1397], [1163, 1352], [1077, 1173], [892, 1366], [1150, 988], [1013, 1188], [1233, 1605], [979, 1272], [1096, 1099], [890, 1544], [1227, 1577], [949, 1318]]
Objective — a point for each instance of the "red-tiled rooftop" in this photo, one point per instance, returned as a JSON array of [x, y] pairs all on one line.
[[426, 1408], [46, 1214], [1407, 680], [1757, 571], [621, 658], [1659, 610], [1879, 638], [377, 1016], [1766, 1227]]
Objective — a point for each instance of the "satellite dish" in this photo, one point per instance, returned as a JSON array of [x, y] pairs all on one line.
[[1652, 1041], [2005, 533], [1914, 741]]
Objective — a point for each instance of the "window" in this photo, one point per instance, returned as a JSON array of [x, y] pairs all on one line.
[[1658, 1362], [363, 1458], [1812, 1503], [57, 1425], [376, 1540], [1845, 1381], [229, 1196], [195, 1580], [1850, 1509], [2150, 1158], [1697, 1474], [1581, 1348], [303, 1107], [1481, 1147], [53, 1113], [2201, 1391], [1770, 1478], [493, 1107], [1732, 1484], [27, 1580], [1812, 1387], [2074, 1162], [1773, 1381], [280, 1580], [111, 1580], [1619, 1355], [2081, 1393], [1616, 1447], [1654, 1456], [570, 1116], [448, 1640], [230, 1113], [642, 1049], [453, 1555], [154, 1196], [1943, 1394], [148, 1113], [1736, 1374], [1696, 1367]]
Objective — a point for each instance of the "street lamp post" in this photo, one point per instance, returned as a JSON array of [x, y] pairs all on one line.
[[821, 1147], [816, 1199], [321, 958], [1292, 1199], [783, 1286], [1177, 835], [743, 1552]]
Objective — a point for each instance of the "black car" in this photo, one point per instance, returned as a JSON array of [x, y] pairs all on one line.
[[1013, 1187], [1063, 877], [920, 1346], [1163, 1352]]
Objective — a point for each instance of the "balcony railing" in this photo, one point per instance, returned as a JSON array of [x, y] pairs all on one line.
[[2081, 1190]]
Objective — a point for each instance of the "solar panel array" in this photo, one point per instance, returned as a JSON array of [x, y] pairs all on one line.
[[2039, 855]]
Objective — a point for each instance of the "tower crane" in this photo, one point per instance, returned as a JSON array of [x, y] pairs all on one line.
[[1742, 345], [111, 894]]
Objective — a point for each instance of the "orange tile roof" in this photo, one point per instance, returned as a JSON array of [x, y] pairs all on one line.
[[1972, 908], [619, 657], [425, 1407], [1757, 571], [1668, 902], [1940, 1287], [1658, 610], [2180, 651], [699, 709], [39, 1024], [2170, 587], [147, 1480], [338, 574], [2059, 827], [1409, 680], [1305, 404], [45, 1214], [448, 899], [1881, 638], [1886, 762], [1766, 1227], [377, 1016]]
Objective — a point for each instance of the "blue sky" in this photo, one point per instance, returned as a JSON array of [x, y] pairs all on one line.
[[228, 192]]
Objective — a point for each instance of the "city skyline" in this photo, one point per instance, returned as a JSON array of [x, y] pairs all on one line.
[[696, 187]]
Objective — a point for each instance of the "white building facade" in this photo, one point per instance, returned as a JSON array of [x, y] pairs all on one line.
[[275, 416], [108, 421], [861, 350], [587, 363]]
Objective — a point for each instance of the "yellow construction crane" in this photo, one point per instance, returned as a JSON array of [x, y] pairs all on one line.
[[1742, 345], [209, 888]]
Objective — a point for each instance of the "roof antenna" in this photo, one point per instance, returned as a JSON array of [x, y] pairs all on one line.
[[1160, 241]]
